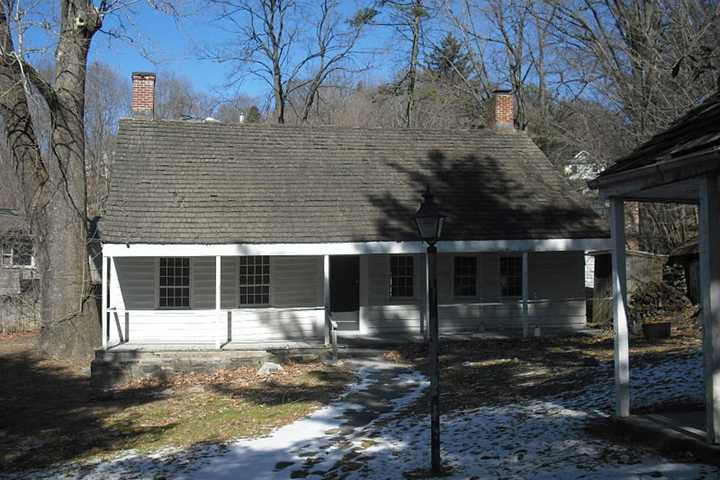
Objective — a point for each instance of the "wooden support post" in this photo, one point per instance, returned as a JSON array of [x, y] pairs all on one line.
[[219, 330], [525, 294], [105, 285], [326, 297], [620, 324], [710, 300]]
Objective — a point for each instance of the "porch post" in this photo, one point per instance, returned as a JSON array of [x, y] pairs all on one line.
[[710, 297], [218, 312], [525, 294], [104, 286], [620, 324], [326, 296]]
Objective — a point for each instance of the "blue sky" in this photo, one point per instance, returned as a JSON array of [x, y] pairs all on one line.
[[161, 43]]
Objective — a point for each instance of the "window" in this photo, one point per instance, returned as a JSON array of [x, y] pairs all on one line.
[[401, 276], [174, 282], [465, 281], [18, 254], [6, 255], [22, 254], [255, 280], [511, 276]]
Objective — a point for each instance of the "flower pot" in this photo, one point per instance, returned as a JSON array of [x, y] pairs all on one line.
[[654, 331]]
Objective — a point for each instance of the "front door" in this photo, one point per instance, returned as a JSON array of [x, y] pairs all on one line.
[[345, 291]]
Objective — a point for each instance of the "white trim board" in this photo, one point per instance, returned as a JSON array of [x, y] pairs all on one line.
[[352, 248]]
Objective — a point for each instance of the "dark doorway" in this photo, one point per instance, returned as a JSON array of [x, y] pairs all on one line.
[[345, 291]]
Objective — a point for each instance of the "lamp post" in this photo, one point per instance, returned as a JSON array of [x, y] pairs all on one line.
[[429, 221]]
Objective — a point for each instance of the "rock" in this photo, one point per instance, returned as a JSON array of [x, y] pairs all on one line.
[[168, 392], [195, 389], [268, 368]]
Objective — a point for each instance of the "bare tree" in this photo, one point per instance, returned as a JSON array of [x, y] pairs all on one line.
[[52, 172], [272, 41], [108, 99], [56, 189], [176, 98]]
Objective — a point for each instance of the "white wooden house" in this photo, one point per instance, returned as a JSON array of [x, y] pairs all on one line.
[[219, 233]]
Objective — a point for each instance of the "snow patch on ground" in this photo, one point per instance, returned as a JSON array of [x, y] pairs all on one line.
[[543, 439]]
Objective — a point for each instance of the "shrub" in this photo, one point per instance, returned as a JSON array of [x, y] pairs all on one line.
[[654, 301]]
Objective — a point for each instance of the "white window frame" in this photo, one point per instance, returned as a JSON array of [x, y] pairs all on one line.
[[158, 287], [268, 284], [390, 277], [11, 256], [477, 276], [517, 258]]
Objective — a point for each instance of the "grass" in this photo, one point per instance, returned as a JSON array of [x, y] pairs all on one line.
[[480, 372], [49, 414]]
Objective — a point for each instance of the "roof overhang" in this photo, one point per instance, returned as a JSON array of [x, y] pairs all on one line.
[[670, 180], [352, 248]]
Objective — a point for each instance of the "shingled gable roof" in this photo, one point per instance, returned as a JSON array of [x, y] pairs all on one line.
[[203, 182], [695, 132]]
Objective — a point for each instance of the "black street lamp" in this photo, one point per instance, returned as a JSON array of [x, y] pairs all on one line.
[[429, 221]]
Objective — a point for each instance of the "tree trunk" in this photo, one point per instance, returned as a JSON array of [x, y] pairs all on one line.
[[56, 199], [70, 320], [412, 72]]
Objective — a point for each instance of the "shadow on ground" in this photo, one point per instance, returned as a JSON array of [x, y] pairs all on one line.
[[49, 413]]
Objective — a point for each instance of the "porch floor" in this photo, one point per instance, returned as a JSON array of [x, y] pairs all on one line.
[[673, 431], [203, 347], [345, 340]]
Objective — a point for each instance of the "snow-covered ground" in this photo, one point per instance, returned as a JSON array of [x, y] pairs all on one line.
[[370, 433]]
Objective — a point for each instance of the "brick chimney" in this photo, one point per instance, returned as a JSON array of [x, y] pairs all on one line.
[[143, 95], [501, 110]]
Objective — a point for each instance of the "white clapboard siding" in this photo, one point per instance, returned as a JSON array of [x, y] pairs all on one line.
[[134, 283], [556, 296], [229, 282], [277, 324], [296, 296], [377, 280], [556, 275], [166, 326], [296, 281], [202, 284], [393, 319]]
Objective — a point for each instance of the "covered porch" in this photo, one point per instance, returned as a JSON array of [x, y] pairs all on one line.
[[680, 165], [274, 296]]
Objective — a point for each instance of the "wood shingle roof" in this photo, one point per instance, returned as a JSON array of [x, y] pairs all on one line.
[[696, 131], [198, 182]]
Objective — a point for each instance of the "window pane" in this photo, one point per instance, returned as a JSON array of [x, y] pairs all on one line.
[[174, 282], [401, 276], [254, 280], [511, 276], [465, 280]]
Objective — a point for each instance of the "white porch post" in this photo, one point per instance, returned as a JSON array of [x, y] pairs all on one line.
[[218, 312], [620, 323], [104, 285], [326, 296], [525, 294], [710, 298]]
